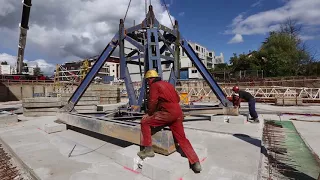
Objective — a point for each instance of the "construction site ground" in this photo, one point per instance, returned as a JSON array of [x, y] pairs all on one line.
[[233, 149]]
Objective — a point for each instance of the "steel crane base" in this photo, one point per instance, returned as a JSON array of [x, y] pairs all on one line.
[[130, 131]]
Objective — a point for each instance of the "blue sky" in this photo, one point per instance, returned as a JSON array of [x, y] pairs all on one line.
[[63, 31], [206, 22]]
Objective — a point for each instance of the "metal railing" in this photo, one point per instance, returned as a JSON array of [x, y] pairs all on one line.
[[260, 93]]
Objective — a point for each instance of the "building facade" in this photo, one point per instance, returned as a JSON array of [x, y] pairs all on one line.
[[73, 70], [7, 69], [76, 70], [208, 58]]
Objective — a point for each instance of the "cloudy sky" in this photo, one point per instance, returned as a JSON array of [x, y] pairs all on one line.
[[70, 30]]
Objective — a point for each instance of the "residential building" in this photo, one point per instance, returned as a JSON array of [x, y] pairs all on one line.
[[5, 69], [74, 70], [8, 69], [208, 58]]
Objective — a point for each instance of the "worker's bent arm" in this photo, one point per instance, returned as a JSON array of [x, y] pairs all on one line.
[[153, 99]]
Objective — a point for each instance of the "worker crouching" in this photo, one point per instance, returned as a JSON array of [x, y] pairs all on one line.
[[164, 110], [240, 94]]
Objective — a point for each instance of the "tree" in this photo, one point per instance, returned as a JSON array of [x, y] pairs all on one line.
[[25, 64], [37, 71], [281, 54], [4, 63]]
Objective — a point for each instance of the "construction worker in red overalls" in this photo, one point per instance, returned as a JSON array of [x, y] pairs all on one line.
[[240, 94], [164, 109]]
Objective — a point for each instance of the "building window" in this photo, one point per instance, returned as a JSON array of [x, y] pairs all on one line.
[[167, 66], [210, 54], [194, 71], [182, 52], [197, 48]]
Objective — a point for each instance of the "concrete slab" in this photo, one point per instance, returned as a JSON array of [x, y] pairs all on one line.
[[161, 167], [201, 151], [47, 154], [268, 108], [229, 157], [128, 157], [85, 107], [250, 129], [41, 100], [241, 119], [309, 131], [52, 109], [38, 114], [110, 107], [54, 127], [41, 104], [6, 118]]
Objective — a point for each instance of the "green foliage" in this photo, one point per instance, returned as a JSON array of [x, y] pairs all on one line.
[[37, 71], [4, 63], [281, 54], [220, 67]]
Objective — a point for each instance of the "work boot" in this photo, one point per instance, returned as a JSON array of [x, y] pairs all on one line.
[[196, 167], [256, 120], [146, 152]]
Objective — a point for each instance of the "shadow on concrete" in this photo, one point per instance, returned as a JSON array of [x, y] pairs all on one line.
[[6, 94], [248, 139], [102, 137]]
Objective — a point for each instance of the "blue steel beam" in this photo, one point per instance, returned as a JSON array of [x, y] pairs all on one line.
[[205, 73], [135, 57], [91, 74], [135, 43], [165, 45], [142, 63], [123, 63], [167, 58], [130, 89], [132, 53], [165, 28], [135, 28], [172, 78]]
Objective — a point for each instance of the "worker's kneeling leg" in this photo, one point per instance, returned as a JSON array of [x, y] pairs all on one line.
[[184, 143]]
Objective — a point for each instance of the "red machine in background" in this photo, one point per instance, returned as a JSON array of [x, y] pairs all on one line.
[[24, 77]]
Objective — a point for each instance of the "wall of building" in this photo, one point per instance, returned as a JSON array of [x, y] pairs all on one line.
[[8, 69], [18, 91], [5, 69], [193, 73]]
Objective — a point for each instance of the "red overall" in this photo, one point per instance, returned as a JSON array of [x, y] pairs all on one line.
[[164, 109]]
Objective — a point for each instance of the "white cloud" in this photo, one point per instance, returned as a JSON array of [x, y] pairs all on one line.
[[306, 12], [236, 39], [258, 3], [73, 29], [307, 37], [45, 67], [181, 13]]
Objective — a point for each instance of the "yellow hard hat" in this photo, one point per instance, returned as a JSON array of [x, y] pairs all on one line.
[[151, 74]]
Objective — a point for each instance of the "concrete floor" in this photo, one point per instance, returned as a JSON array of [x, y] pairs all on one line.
[[233, 149]]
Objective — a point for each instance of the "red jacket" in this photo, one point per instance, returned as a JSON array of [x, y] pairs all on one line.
[[163, 97]]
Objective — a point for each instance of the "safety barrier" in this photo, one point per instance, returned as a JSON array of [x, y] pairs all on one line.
[[260, 93], [265, 94]]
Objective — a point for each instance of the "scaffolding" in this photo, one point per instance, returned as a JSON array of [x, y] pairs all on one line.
[[65, 79]]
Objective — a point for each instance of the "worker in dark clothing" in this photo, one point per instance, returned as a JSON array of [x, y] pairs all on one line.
[[164, 109], [239, 94]]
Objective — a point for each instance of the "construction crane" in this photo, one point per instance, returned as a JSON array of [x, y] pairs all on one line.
[[23, 34], [149, 53], [150, 28]]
